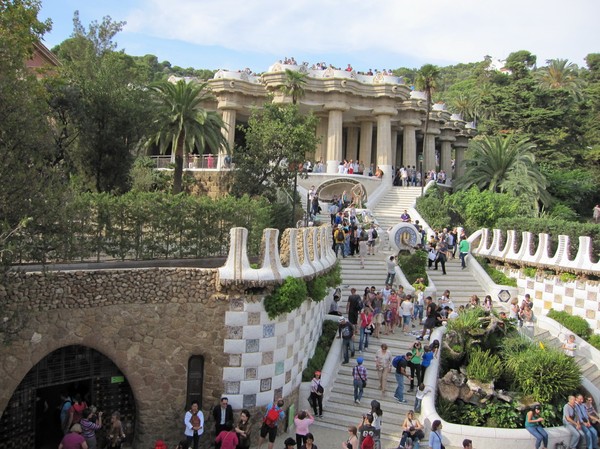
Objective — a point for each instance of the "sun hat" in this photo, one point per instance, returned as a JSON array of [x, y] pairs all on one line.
[[359, 360]]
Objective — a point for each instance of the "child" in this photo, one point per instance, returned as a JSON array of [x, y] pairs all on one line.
[[388, 316], [426, 360], [570, 346], [421, 392], [435, 347]]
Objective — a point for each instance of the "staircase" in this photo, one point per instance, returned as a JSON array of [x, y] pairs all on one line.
[[461, 283]]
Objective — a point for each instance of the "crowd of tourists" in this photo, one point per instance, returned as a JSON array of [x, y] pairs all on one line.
[[324, 66]]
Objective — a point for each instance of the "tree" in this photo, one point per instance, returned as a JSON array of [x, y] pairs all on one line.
[[426, 81], [294, 84], [184, 124], [504, 164], [277, 136], [520, 62], [560, 74]]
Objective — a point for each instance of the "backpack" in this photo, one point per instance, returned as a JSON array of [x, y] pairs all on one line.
[[272, 417], [374, 234], [339, 236], [363, 235], [368, 442], [397, 360]]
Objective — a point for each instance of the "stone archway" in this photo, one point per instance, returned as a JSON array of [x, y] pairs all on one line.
[[31, 418], [337, 186]]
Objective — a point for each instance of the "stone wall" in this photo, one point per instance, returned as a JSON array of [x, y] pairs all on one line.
[[149, 322], [212, 183], [578, 298]]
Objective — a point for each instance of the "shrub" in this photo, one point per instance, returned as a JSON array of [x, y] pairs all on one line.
[[316, 362], [497, 276], [567, 277], [483, 365], [530, 272], [575, 324], [413, 265], [287, 297], [547, 375], [433, 210], [594, 340], [317, 288]]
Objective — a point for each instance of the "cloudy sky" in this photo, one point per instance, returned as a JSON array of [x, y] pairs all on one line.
[[235, 34]]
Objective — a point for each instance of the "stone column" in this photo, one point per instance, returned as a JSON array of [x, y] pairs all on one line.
[[334, 135], [460, 146], [429, 147], [228, 114], [384, 140], [446, 139], [352, 143], [410, 122], [366, 142], [321, 149], [395, 147]]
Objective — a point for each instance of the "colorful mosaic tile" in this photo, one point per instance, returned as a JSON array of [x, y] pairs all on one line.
[[250, 373], [253, 318], [232, 387], [249, 401], [278, 368], [252, 345], [267, 358], [235, 360], [268, 330], [236, 304], [235, 332], [265, 384]]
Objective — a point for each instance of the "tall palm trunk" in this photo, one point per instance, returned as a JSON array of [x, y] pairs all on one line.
[[178, 174]]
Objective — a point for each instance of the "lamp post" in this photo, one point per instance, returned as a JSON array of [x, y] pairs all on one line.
[[421, 168]]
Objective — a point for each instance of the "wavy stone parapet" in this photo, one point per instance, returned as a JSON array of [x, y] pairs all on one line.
[[378, 78], [540, 257], [304, 252]]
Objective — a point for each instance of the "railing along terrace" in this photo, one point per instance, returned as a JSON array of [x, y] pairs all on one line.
[[195, 162], [540, 257]]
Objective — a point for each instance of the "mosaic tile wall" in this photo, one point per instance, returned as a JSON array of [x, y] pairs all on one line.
[[579, 298], [266, 357]]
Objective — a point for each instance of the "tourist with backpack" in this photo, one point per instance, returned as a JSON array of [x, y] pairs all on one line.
[[400, 362], [274, 414], [366, 432]]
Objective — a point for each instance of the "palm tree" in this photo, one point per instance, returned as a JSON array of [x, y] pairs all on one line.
[[504, 164], [294, 84], [560, 74], [184, 124], [426, 81]]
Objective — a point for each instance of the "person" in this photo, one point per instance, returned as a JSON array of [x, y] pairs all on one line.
[[352, 441], [401, 362], [426, 359], [244, 430], [273, 415], [383, 364], [309, 443], [596, 213], [366, 323], [346, 333], [413, 429], [371, 237], [194, 424], [289, 443], [66, 403], [116, 434], [302, 421], [589, 431], [435, 437], [73, 439], [89, 425], [421, 392], [377, 422], [353, 307], [391, 271], [222, 414], [339, 238], [533, 424], [316, 394], [406, 308], [487, 303], [405, 217], [442, 255], [366, 432], [592, 413], [227, 437], [463, 247], [76, 410], [359, 374], [431, 317], [467, 444], [415, 364], [571, 422], [569, 346]]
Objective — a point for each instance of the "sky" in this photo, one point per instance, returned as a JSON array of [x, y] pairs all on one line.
[[383, 34]]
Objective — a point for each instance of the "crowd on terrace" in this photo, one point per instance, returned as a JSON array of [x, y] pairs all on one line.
[[325, 66]]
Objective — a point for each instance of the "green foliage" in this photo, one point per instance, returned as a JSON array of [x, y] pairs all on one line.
[[413, 265], [317, 288], [316, 362], [467, 320], [494, 413], [433, 208], [276, 138], [497, 276], [546, 374], [482, 209], [334, 277], [575, 188], [567, 277], [483, 365], [530, 272], [594, 340], [287, 297], [503, 415], [141, 225], [575, 324]]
